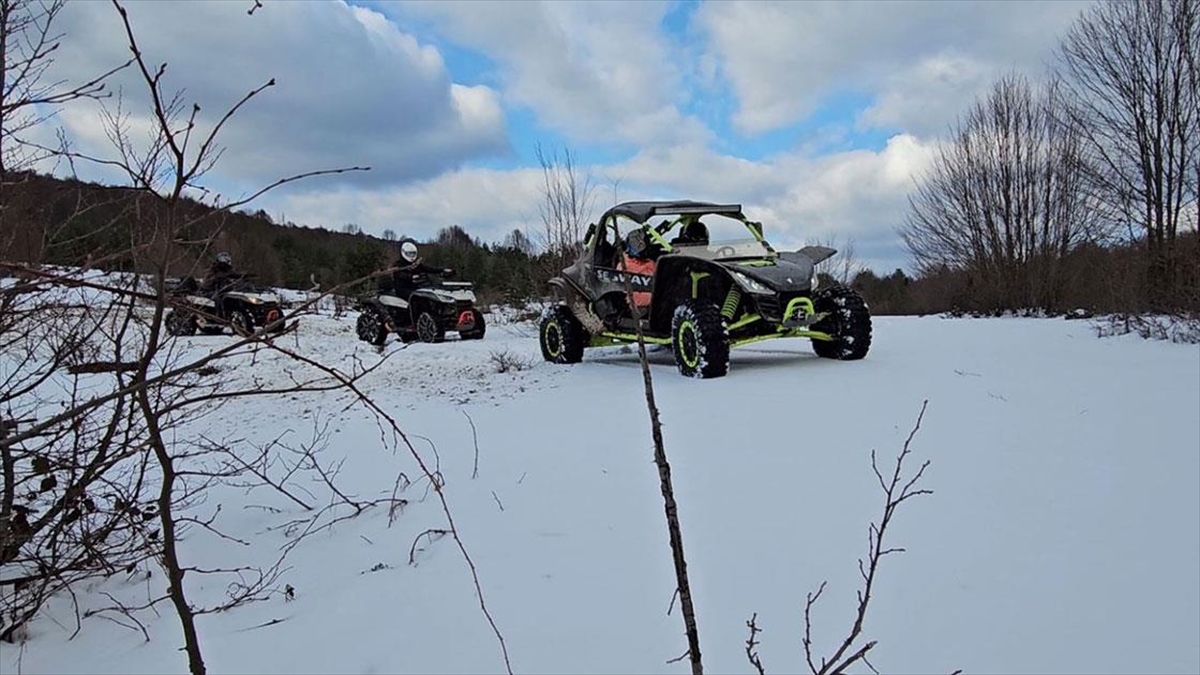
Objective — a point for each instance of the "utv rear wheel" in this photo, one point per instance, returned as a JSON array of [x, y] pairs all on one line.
[[179, 323], [700, 340], [848, 322], [370, 328], [429, 329], [562, 336], [477, 332]]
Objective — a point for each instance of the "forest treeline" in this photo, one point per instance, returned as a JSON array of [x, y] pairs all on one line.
[[64, 221]]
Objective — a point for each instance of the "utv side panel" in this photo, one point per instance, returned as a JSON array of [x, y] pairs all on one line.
[[679, 278]]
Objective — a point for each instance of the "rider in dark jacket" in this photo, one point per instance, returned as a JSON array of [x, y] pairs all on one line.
[[220, 273], [410, 267]]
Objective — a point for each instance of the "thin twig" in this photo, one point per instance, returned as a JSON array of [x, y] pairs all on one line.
[[475, 440]]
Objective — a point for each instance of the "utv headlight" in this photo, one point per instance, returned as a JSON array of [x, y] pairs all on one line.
[[750, 284], [814, 281]]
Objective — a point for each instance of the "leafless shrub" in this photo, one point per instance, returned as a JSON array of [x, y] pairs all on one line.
[[506, 361], [1178, 328]]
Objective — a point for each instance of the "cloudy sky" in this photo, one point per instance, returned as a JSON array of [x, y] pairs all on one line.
[[815, 116]]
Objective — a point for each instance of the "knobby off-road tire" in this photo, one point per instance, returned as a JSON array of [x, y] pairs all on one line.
[[241, 322], [700, 340], [370, 328], [562, 336], [180, 323], [477, 332], [849, 322], [429, 329]]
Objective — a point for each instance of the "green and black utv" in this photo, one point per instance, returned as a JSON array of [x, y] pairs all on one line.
[[699, 293]]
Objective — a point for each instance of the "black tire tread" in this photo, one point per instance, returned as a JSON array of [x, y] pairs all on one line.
[[712, 335], [363, 328], [573, 335], [849, 324]]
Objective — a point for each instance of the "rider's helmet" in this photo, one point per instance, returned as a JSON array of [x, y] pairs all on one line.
[[636, 244], [695, 232], [223, 260], [408, 251]]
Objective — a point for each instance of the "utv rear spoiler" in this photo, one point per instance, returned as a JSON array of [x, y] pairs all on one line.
[[814, 253]]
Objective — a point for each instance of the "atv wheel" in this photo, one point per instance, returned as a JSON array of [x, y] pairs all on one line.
[[561, 336], [477, 332], [241, 322], [277, 321], [848, 322], [178, 323], [370, 328], [700, 340], [429, 329]]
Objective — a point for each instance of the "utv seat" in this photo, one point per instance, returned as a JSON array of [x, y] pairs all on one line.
[[693, 234]]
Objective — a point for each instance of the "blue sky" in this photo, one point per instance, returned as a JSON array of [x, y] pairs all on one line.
[[816, 116]]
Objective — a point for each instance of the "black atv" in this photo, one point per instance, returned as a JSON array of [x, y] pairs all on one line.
[[697, 295], [239, 304], [426, 311]]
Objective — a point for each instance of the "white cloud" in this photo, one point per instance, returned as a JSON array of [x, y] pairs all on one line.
[[488, 203], [351, 88], [858, 195], [594, 71], [783, 59], [923, 97]]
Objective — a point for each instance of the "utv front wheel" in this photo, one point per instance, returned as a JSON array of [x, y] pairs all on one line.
[[370, 328], [428, 328], [561, 336], [700, 340], [848, 323]]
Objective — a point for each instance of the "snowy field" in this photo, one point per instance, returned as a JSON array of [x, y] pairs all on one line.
[[1063, 534]]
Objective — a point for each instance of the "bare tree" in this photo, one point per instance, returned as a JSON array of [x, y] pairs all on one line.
[[100, 470], [566, 204], [27, 45], [1006, 200], [1131, 69], [517, 240]]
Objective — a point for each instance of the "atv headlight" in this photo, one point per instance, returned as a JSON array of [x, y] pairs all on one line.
[[750, 284]]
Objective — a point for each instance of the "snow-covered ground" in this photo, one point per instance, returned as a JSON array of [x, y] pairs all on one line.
[[1063, 534]]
